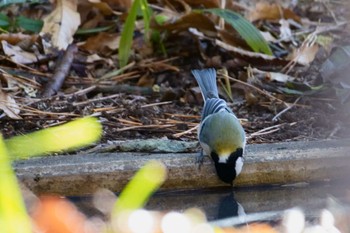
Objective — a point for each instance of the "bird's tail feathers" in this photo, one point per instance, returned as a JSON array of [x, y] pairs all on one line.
[[206, 80]]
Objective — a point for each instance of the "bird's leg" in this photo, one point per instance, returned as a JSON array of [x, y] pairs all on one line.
[[200, 159]]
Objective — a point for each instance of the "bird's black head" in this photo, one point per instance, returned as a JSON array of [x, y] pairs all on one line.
[[227, 171]]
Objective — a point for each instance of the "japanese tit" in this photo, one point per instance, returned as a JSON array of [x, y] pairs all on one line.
[[220, 133]]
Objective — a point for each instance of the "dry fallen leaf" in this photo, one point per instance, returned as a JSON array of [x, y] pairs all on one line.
[[61, 24], [18, 55], [273, 76], [305, 55], [102, 43], [267, 11], [103, 7], [14, 38], [9, 105]]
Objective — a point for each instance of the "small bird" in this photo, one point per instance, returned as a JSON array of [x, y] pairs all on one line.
[[220, 133]]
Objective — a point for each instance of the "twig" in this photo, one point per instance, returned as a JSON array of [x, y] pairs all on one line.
[[257, 89], [267, 130], [182, 115], [275, 118], [124, 88], [81, 92], [144, 127], [334, 131], [186, 132], [116, 72], [173, 121], [105, 109], [95, 100], [156, 104], [61, 71], [129, 122]]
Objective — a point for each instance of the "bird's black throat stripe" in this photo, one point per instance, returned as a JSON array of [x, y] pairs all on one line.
[[227, 171]]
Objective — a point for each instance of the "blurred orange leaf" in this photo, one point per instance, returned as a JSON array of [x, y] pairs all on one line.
[[56, 215]]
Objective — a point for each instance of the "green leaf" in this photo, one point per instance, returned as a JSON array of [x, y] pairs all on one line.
[[72, 135], [247, 30], [127, 34], [32, 25], [128, 30], [146, 13], [13, 215], [4, 21], [137, 192]]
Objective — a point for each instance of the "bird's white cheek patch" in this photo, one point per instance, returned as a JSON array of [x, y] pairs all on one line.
[[223, 158], [239, 165]]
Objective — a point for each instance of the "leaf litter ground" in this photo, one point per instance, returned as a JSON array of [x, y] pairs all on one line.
[[157, 96]]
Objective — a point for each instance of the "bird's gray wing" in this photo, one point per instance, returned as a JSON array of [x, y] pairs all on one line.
[[214, 105]]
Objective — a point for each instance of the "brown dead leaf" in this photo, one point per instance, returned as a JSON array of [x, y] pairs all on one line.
[[18, 55], [146, 81], [193, 20], [92, 22], [267, 11], [14, 38], [205, 3], [103, 7], [9, 105], [258, 59], [102, 43], [61, 24], [305, 55], [118, 4]]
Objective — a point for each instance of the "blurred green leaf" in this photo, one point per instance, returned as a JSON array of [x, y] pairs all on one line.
[[246, 29], [32, 25], [161, 19], [72, 135], [127, 35], [146, 13], [13, 215], [4, 21], [128, 30], [137, 192]]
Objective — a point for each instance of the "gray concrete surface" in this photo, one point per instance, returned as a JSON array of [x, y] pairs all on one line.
[[281, 163]]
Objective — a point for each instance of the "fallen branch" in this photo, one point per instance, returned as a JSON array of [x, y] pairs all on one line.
[[61, 72]]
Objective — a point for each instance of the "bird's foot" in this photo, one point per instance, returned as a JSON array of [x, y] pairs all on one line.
[[200, 159]]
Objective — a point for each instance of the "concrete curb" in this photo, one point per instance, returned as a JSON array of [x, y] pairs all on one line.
[[281, 163]]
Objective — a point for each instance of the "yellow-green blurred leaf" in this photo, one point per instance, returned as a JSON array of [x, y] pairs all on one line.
[[137, 192], [72, 135], [13, 215]]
